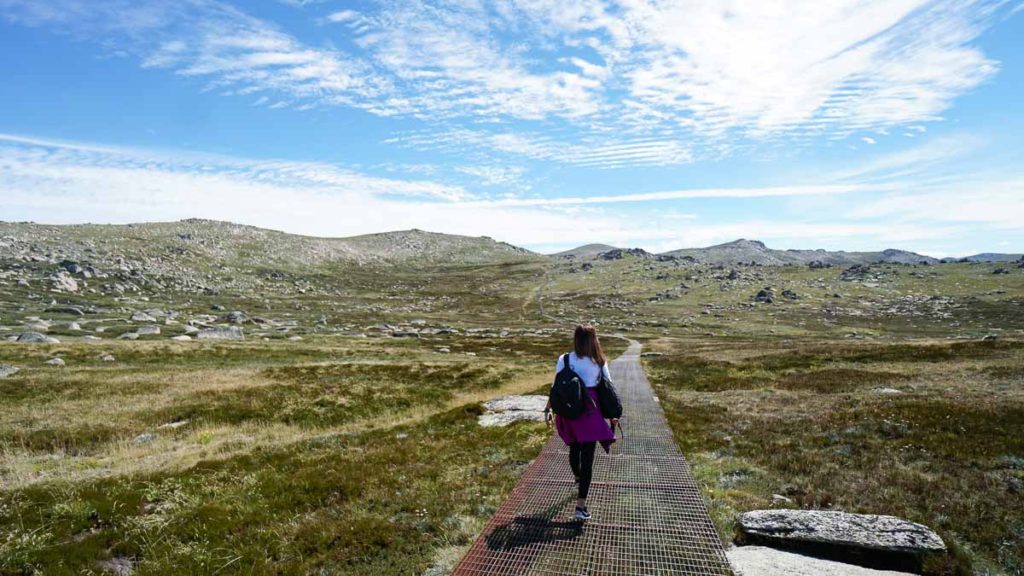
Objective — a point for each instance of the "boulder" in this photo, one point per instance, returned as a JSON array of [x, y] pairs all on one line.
[[108, 358], [129, 336], [147, 329], [63, 282], [874, 541], [221, 333], [36, 337], [118, 566], [766, 295], [145, 438], [7, 370], [762, 561], [508, 409], [181, 338], [55, 362], [236, 317], [142, 317], [72, 310]]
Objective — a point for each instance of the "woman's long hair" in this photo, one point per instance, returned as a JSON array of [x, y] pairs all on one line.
[[585, 343]]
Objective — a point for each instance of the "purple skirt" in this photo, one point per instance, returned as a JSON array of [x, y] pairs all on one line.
[[587, 427]]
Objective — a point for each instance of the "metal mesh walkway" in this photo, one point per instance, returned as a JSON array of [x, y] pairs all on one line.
[[648, 515]]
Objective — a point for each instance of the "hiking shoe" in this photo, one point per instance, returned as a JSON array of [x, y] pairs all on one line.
[[582, 513]]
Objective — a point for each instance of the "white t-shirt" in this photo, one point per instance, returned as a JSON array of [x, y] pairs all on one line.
[[586, 368]]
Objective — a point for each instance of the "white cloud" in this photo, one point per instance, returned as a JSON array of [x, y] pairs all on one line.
[[342, 16], [928, 157], [493, 175], [867, 140], [27, 159], [685, 74], [597, 152], [66, 182], [763, 192], [996, 204]]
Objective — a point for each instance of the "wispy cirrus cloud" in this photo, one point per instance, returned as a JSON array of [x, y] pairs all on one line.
[[631, 83], [27, 160], [690, 194], [594, 152]]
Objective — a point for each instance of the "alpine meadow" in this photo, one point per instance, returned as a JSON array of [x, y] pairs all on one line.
[[512, 287]]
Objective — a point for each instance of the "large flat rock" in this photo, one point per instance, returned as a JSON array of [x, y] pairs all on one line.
[[221, 333], [763, 561], [865, 539], [508, 409]]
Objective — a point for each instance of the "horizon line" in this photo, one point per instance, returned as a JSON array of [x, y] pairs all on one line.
[[521, 247]]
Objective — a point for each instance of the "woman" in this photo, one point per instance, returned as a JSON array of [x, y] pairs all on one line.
[[581, 434]]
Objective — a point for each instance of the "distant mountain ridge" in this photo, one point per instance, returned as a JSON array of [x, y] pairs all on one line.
[[192, 241], [753, 251], [991, 257]]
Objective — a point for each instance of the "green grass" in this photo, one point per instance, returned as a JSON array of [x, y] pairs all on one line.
[[360, 455], [383, 502], [810, 425]]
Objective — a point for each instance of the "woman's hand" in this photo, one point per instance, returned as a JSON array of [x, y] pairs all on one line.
[[614, 422], [547, 417]]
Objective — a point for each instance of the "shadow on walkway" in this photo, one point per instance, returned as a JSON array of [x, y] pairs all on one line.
[[536, 529]]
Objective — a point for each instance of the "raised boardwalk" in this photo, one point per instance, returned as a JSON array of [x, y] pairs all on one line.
[[648, 515]]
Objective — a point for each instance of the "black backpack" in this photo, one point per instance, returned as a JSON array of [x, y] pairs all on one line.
[[608, 398], [567, 393]]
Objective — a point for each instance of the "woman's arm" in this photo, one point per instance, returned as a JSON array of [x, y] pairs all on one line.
[[547, 407]]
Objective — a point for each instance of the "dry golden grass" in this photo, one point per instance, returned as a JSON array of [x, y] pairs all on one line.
[[22, 466]]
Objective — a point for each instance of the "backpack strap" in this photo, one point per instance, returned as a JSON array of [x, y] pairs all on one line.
[[565, 362]]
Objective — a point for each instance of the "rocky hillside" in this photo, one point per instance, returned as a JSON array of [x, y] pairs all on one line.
[[994, 257], [411, 246], [197, 255], [747, 251], [196, 239]]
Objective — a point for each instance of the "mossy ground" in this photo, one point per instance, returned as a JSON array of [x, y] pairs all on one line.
[[928, 432]]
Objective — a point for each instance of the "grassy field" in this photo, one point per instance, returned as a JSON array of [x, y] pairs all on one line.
[[926, 431], [329, 455], [322, 444]]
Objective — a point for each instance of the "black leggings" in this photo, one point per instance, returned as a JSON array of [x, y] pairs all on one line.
[[581, 460]]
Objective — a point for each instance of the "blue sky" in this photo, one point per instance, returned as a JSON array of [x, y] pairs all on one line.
[[545, 123]]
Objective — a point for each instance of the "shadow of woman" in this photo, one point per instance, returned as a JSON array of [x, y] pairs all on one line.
[[535, 529]]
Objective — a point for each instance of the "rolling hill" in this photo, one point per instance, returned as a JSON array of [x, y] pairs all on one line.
[[753, 251], [585, 251]]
